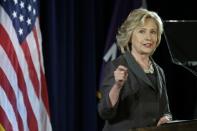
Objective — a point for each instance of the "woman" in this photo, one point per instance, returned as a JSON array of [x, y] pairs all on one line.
[[134, 89]]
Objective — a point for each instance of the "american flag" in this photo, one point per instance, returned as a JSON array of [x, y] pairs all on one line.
[[23, 91]]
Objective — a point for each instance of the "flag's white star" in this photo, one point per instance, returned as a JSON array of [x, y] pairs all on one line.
[[22, 4], [21, 18], [15, 2], [20, 31], [34, 11], [29, 8], [28, 21], [14, 14]]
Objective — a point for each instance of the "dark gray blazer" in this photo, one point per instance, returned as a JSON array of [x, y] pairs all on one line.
[[141, 103]]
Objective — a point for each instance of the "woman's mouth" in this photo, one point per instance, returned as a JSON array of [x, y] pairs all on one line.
[[148, 45]]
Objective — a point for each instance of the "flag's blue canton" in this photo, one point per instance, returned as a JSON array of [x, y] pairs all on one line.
[[23, 14]]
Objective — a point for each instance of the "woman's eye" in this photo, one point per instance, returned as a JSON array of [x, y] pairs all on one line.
[[153, 32], [141, 31]]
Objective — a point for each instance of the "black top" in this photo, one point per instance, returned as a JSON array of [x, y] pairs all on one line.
[[152, 77]]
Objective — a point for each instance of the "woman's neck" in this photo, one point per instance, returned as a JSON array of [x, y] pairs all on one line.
[[142, 59]]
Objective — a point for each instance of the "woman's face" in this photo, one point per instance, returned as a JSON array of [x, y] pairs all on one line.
[[144, 38]]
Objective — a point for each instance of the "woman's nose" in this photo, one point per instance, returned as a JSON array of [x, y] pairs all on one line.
[[148, 36]]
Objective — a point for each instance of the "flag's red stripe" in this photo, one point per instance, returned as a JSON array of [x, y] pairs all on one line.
[[43, 79], [8, 47], [4, 121], [11, 96], [44, 92], [31, 68]]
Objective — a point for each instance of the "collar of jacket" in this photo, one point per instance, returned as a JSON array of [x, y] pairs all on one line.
[[132, 63]]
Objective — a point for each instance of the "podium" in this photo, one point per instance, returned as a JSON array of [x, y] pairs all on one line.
[[182, 125]]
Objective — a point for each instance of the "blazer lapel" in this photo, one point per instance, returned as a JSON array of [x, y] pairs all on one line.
[[159, 78], [137, 69]]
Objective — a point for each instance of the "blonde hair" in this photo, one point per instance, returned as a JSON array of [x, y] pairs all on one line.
[[136, 18]]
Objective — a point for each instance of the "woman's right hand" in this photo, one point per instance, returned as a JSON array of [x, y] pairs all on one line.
[[120, 75]]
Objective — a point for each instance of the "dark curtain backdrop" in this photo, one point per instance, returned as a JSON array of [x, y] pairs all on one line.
[[74, 35], [71, 46], [68, 28]]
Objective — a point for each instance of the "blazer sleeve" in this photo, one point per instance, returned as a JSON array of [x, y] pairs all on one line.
[[105, 109]]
